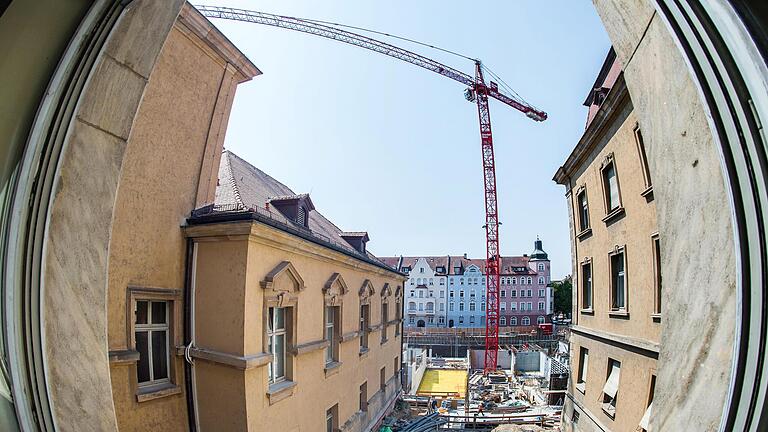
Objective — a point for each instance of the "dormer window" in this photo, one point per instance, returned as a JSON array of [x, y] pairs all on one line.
[[357, 240], [295, 208]]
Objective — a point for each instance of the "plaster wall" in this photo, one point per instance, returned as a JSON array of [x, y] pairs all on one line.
[[694, 214], [189, 93], [233, 262], [634, 387], [419, 295]]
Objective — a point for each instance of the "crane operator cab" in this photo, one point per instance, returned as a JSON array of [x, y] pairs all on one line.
[[469, 94]]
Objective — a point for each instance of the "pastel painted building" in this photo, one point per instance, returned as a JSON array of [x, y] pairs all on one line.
[[449, 291], [524, 294], [425, 289]]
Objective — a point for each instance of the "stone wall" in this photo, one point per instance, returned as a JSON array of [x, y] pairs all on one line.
[[694, 218]]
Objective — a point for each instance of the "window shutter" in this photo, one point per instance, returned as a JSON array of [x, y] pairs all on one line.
[[646, 417]]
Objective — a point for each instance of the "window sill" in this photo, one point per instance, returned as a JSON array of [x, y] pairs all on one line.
[[589, 311], [586, 233], [614, 215], [610, 412], [279, 391], [364, 352], [619, 314], [581, 387], [648, 193], [332, 368], [157, 391], [656, 317]]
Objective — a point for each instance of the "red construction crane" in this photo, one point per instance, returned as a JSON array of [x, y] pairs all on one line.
[[477, 91]]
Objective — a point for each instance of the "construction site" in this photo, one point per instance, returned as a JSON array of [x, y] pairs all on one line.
[[526, 392]]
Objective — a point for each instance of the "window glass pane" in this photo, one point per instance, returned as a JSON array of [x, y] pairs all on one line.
[[271, 320], [279, 318], [329, 315], [142, 366], [141, 312], [613, 186], [158, 312], [159, 354], [279, 356]]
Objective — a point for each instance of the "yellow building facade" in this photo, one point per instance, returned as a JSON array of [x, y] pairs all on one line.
[[188, 303], [616, 329]]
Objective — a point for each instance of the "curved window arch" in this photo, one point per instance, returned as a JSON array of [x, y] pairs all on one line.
[[525, 321], [541, 267], [530, 280], [541, 280], [514, 281], [540, 320], [503, 321], [513, 321]]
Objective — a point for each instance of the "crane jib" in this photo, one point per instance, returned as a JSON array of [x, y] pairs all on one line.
[[477, 92]]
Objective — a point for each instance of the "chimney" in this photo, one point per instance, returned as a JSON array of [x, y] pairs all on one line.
[[465, 256]]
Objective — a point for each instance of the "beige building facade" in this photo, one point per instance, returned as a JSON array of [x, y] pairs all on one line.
[[617, 281], [188, 307]]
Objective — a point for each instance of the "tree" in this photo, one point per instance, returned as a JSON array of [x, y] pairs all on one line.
[[562, 290]]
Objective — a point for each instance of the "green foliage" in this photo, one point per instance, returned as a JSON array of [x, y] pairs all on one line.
[[563, 301]]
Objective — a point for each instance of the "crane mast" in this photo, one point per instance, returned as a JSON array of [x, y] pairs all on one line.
[[477, 91]]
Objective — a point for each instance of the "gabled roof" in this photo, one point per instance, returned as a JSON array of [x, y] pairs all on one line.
[[246, 186]]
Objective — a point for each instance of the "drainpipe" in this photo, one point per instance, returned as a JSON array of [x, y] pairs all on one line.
[[189, 334]]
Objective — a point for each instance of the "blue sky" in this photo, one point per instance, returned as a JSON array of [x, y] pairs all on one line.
[[392, 149]]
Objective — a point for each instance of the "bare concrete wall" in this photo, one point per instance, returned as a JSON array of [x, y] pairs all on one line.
[[694, 218]]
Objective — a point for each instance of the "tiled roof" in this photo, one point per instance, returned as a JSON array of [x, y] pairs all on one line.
[[449, 262], [241, 183]]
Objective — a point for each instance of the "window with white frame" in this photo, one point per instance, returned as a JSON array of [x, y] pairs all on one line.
[[618, 281], [503, 293], [450, 307], [482, 307], [530, 293], [461, 319], [513, 306], [583, 210], [442, 281], [461, 306], [541, 292], [331, 333], [610, 186], [471, 319], [581, 381], [586, 284], [525, 321], [541, 280], [503, 321], [384, 320], [411, 306], [541, 267], [431, 281], [442, 307], [513, 321], [513, 293], [441, 319], [413, 293], [529, 281], [540, 320], [541, 305], [152, 337], [471, 306], [461, 293], [277, 340], [514, 281], [503, 306], [411, 319]]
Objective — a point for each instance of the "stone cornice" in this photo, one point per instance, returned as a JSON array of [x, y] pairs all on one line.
[[611, 107], [201, 27], [650, 348]]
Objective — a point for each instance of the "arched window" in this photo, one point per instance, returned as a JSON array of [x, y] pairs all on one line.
[[513, 321], [431, 281], [525, 321], [503, 321], [541, 266], [514, 281], [541, 280], [540, 320], [530, 280]]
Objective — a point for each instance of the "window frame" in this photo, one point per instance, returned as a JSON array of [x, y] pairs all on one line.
[[643, 157], [616, 310], [610, 212], [587, 308], [582, 210], [271, 332], [334, 344], [173, 298], [658, 285], [150, 328], [607, 400], [583, 370]]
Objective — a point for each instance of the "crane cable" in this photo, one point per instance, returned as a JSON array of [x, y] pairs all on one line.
[[388, 35]]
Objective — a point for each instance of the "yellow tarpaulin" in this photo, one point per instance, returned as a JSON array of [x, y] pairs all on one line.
[[443, 382]]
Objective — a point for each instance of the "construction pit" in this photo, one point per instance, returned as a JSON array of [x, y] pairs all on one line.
[[455, 394]]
